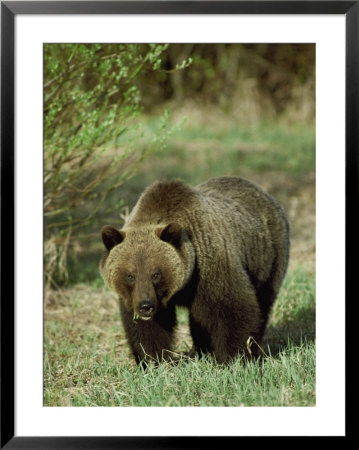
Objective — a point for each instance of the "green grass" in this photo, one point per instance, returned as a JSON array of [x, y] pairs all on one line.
[[232, 149], [87, 363], [287, 380]]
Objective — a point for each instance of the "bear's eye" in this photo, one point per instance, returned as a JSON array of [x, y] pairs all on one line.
[[156, 276], [130, 278]]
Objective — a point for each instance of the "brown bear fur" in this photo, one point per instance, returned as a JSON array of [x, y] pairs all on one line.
[[220, 249]]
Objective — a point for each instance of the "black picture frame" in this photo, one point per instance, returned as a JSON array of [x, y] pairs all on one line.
[[9, 9]]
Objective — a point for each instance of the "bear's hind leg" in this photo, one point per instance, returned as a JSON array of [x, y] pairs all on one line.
[[150, 340], [266, 297], [268, 290]]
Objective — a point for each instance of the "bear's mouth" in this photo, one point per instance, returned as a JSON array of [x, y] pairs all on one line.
[[142, 316], [145, 317], [145, 310], [146, 314]]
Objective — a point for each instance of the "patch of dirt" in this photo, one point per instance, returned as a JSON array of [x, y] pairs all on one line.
[[83, 312]]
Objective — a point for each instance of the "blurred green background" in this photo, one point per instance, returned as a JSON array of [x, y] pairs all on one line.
[[119, 116]]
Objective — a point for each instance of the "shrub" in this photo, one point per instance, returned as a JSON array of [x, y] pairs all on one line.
[[91, 108]]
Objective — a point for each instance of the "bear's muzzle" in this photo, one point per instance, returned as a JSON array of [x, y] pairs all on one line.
[[146, 309]]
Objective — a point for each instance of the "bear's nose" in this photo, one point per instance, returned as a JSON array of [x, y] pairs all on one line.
[[146, 307]]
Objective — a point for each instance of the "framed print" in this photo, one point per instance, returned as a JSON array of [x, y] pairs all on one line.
[[232, 296]]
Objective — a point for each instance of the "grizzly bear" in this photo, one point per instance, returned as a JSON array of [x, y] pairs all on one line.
[[220, 249]]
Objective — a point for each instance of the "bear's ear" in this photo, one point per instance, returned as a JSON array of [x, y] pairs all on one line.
[[111, 236], [172, 233]]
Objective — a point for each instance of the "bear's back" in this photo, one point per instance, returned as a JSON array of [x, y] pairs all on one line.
[[232, 201], [235, 189], [243, 201]]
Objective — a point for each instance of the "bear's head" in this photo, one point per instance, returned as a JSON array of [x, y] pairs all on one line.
[[147, 265]]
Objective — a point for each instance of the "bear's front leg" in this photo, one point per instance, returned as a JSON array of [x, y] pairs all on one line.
[[150, 340]]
